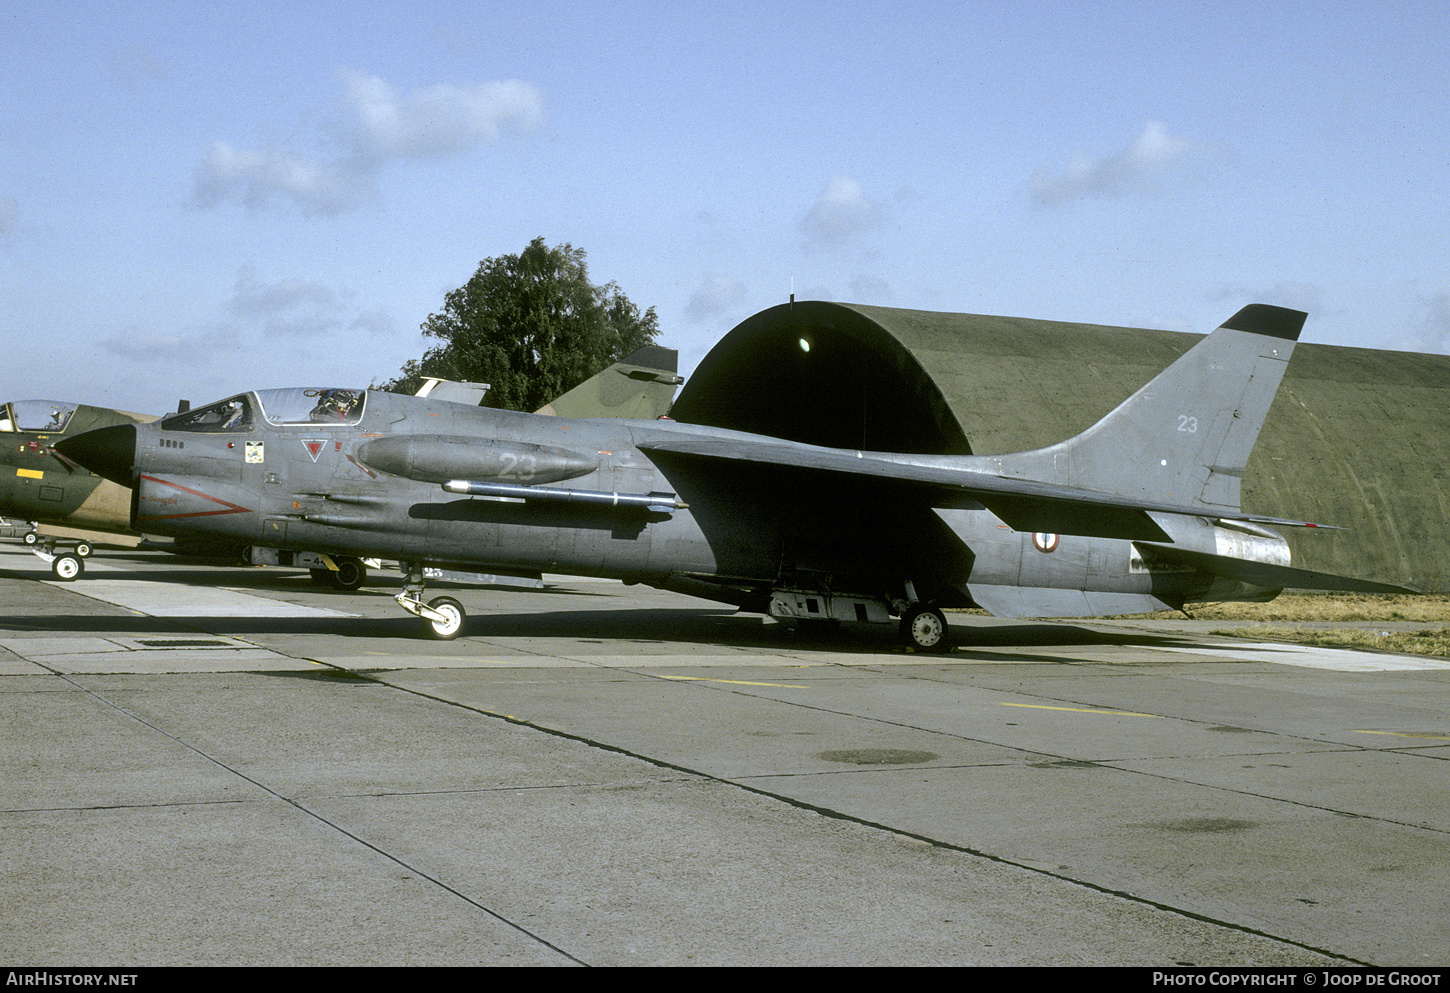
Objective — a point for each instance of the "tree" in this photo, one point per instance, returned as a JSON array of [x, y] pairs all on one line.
[[530, 325]]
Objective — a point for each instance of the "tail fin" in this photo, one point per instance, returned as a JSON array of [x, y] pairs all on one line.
[[640, 386], [1185, 437]]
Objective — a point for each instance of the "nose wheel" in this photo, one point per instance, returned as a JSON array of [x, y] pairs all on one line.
[[445, 620], [443, 617]]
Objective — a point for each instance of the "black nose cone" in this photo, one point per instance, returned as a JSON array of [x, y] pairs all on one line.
[[108, 452]]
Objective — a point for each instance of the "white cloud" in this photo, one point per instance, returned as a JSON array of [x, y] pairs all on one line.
[[382, 124], [1139, 168], [377, 125], [715, 295], [259, 179], [841, 212]]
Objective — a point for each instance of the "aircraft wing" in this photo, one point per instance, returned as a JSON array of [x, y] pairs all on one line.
[[1023, 505]]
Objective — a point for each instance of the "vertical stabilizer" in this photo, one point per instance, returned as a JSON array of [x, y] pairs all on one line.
[[1185, 437], [639, 386]]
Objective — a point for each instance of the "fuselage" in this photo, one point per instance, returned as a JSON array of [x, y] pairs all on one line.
[[365, 473]]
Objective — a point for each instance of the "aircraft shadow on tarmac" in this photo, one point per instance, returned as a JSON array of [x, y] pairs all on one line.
[[692, 625], [704, 626]]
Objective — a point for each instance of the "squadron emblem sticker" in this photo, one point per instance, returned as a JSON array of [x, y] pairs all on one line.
[[254, 452]]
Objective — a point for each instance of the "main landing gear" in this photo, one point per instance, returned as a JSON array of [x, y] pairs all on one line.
[[923, 626], [350, 573], [442, 616]]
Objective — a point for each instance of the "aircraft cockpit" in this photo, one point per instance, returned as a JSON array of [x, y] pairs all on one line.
[[301, 405], [312, 406], [234, 414], [36, 415]]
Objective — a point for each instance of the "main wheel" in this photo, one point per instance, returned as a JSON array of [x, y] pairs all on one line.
[[925, 629], [452, 623], [67, 567], [350, 574]]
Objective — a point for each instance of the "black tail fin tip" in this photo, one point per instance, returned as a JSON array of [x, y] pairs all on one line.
[[1274, 322]]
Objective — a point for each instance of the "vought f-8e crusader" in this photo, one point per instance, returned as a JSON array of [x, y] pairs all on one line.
[[1140, 512]]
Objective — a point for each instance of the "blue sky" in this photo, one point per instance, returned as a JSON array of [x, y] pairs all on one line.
[[197, 199]]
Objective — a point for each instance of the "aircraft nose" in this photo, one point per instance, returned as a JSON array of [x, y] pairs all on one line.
[[108, 452]]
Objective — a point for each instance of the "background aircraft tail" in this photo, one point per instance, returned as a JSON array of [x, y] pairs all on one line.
[[1185, 437], [640, 386]]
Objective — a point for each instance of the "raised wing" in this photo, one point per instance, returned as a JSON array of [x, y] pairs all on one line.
[[1023, 505], [1178, 445]]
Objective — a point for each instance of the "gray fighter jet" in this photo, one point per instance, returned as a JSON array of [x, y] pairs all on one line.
[[1140, 512], [78, 509]]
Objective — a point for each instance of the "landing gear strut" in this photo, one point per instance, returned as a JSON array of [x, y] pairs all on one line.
[[442, 616]]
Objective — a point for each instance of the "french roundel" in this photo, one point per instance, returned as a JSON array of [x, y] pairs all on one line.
[[1045, 542]]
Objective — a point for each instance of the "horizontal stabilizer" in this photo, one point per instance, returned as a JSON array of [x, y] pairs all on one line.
[[1274, 577]]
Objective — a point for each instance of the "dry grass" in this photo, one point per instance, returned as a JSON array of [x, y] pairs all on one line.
[[1434, 642], [1339, 608], [1330, 607]]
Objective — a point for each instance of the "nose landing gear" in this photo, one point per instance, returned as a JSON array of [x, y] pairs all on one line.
[[443, 617]]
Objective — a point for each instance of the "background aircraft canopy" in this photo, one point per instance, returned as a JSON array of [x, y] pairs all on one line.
[[36, 415]]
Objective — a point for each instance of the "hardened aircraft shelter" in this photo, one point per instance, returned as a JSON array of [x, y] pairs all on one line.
[[1357, 438]]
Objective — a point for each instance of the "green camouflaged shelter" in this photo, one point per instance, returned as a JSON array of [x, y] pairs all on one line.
[[1356, 437]]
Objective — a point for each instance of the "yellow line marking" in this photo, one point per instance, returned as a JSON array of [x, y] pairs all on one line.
[[735, 682], [1407, 734], [1081, 710], [30, 473]]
